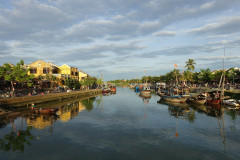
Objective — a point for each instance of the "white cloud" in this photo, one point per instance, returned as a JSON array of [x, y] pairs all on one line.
[[228, 26], [165, 33], [118, 32]]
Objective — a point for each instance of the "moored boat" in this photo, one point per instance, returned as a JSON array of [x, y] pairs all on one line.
[[231, 102], [200, 99], [174, 99], [146, 91]]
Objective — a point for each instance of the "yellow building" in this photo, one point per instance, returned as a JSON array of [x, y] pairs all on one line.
[[68, 72], [82, 75], [41, 68]]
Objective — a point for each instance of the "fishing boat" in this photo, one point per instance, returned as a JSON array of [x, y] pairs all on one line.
[[146, 91], [213, 97]]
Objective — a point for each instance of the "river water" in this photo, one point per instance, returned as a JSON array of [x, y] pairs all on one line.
[[122, 126]]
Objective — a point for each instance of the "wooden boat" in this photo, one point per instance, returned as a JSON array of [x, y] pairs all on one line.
[[174, 99], [46, 110], [200, 99], [213, 97], [213, 101]]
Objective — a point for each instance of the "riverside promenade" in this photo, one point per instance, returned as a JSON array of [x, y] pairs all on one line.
[[17, 102]]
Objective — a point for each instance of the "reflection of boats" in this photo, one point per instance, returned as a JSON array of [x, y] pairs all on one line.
[[113, 89], [106, 90], [46, 110], [182, 106], [145, 98]]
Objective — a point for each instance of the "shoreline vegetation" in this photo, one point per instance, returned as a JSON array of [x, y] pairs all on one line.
[[189, 78]]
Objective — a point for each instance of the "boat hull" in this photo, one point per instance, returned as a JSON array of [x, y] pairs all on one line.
[[214, 101], [174, 99], [145, 93]]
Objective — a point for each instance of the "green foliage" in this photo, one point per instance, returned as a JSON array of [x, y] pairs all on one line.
[[72, 83], [16, 73], [88, 103], [206, 76], [99, 81], [190, 65], [16, 141], [89, 81]]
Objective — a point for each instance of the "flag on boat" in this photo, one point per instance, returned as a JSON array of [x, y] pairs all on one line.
[[175, 65]]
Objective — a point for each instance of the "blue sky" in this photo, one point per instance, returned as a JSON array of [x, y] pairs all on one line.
[[122, 38]]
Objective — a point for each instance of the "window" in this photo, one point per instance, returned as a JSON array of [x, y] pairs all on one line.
[[46, 70], [33, 70], [76, 73], [55, 71], [82, 77], [72, 73]]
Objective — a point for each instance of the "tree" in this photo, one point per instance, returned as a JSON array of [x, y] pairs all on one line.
[[16, 73], [72, 83], [89, 81], [99, 81], [231, 74], [216, 76], [186, 76], [206, 75], [190, 66]]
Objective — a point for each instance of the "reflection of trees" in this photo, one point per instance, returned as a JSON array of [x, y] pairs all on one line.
[[232, 114], [191, 115], [88, 103], [16, 140]]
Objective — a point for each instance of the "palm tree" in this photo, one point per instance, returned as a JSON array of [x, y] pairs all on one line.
[[190, 66]]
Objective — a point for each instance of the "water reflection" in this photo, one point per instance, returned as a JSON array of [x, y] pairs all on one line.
[[120, 131], [145, 98], [16, 139], [39, 121]]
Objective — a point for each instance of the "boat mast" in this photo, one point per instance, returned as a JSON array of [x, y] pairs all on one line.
[[223, 81]]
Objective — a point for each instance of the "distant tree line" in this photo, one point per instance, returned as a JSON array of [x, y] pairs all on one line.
[[188, 76]]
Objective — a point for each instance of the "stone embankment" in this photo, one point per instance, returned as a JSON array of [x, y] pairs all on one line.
[[28, 100]]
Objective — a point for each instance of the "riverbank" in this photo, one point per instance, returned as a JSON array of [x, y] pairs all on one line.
[[17, 102]]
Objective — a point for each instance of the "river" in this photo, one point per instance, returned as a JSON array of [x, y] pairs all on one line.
[[122, 126]]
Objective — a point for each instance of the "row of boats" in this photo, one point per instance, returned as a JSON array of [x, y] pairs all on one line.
[[181, 96]]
